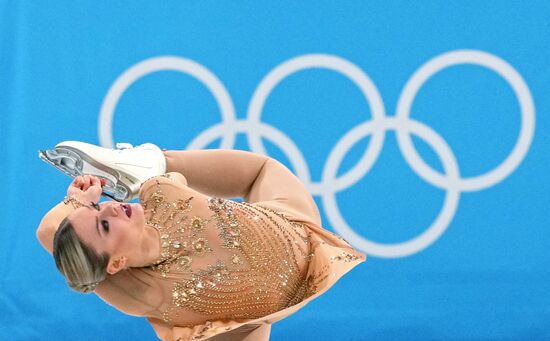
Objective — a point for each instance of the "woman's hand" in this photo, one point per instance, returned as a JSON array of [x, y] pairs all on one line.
[[86, 188]]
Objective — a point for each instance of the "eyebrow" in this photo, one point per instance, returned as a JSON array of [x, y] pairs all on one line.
[[96, 222]]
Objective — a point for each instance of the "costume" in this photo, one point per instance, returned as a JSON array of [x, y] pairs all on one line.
[[224, 264]]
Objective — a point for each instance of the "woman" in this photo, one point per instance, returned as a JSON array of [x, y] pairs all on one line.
[[194, 263]]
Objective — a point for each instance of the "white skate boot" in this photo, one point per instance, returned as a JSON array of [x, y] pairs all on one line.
[[124, 169]]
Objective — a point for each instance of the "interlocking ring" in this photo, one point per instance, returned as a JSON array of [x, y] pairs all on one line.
[[377, 126]]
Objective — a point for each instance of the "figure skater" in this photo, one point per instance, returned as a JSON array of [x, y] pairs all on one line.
[[195, 263]]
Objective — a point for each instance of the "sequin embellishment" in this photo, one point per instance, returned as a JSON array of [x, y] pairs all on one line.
[[256, 265]]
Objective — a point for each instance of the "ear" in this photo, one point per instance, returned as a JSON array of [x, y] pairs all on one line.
[[116, 264]]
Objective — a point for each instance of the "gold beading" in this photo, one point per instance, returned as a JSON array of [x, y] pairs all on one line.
[[253, 260]]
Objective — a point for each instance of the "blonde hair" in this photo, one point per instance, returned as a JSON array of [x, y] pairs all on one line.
[[81, 265]]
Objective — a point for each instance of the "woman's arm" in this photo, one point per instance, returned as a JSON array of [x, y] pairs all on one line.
[[84, 189], [50, 222]]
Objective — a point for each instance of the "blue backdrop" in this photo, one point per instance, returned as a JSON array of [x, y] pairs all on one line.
[[421, 128]]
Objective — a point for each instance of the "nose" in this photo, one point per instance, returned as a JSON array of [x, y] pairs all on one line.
[[110, 209], [113, 209]]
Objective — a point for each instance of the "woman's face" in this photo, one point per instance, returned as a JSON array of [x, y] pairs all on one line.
[[111, 227]]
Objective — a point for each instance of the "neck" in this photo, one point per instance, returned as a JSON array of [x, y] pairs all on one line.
[[149, 251]]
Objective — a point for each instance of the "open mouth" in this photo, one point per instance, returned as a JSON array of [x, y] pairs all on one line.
[[127, 209]]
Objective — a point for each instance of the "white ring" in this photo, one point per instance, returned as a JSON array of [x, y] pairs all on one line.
[[165, 63], [510, 75], [432, 233], [345, 68]]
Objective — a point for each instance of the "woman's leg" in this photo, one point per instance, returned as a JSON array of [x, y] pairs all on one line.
[[216, 172], [236, 173]]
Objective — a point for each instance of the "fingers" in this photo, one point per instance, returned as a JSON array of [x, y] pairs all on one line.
[[95, 181], [84, 182], [86, 188], [77, 181]]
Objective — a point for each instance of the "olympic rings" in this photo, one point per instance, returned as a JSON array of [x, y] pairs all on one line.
[[377, 126]]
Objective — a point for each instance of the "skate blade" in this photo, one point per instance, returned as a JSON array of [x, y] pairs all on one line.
[[72, 164]]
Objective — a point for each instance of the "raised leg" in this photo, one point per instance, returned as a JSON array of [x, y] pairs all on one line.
[[236, 173], [216, 172]]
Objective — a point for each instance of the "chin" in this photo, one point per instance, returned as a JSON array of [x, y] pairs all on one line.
[[137, 213]]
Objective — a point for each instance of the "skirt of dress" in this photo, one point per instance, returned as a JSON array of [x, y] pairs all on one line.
[[332, 257]]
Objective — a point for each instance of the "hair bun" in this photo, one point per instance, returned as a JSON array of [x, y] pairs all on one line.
[[84, 288]]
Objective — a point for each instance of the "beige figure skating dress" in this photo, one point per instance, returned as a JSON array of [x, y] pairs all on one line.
[[225, 263]]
